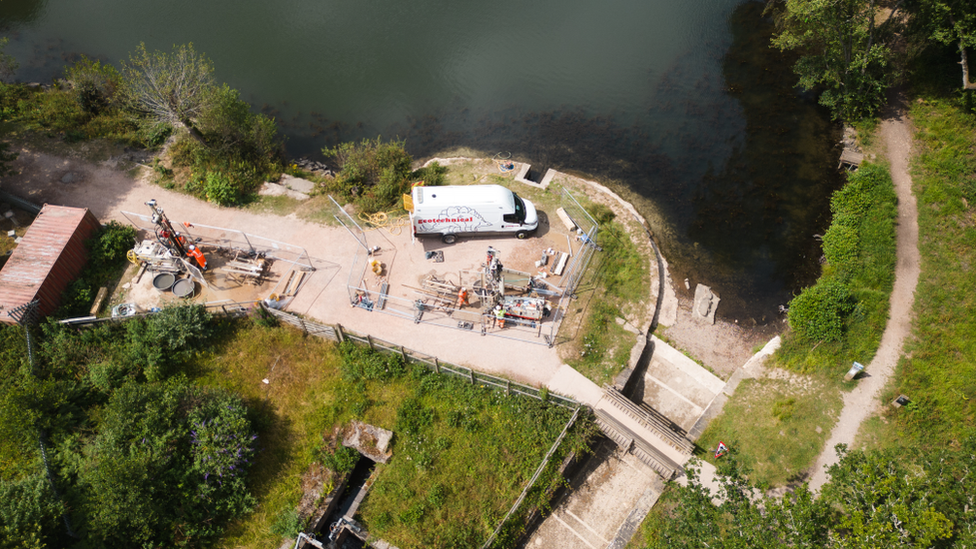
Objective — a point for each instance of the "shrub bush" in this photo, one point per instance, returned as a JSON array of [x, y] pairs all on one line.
[[94, 85], [342, 460], [817, 313], [222, 447], [373, 173], [157, 343], [432, 175], [857, 246], [28, 508], [167, 463], [219, 189], [841, 247], [107, 250]]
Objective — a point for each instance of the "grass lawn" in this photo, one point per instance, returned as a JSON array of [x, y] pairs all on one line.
[[438, 489], [600, 347], [288, 412], [779, 425]]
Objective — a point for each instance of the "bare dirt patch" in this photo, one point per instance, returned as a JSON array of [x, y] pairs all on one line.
[[722, 347]]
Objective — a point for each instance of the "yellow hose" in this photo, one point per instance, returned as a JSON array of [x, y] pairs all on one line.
[[385, 220], [131, 256]]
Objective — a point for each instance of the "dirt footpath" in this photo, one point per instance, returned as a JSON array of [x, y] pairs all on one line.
[[860, 403]]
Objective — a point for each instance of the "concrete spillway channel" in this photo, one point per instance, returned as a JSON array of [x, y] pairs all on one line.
[[344, 531]]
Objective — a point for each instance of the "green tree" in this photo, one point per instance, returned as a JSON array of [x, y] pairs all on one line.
[[231, 128], [948, 22], [29, 512], [170, 88], [883, 503], [168, 462], [842, 51], [871, 500]]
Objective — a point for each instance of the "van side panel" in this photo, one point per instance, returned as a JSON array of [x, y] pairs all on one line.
[[453, 219], [462, 209]]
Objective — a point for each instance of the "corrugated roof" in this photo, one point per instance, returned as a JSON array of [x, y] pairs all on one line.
[[48, 258]]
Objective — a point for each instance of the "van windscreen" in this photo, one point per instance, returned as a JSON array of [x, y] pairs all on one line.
[[519, 208]]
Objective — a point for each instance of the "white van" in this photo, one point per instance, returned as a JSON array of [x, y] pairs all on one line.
[[457, 209]]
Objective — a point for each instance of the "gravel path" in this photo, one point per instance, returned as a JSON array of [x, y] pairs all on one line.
[[860, 403]]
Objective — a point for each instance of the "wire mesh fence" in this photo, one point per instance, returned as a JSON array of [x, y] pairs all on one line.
[[587, 230], [540, 332]]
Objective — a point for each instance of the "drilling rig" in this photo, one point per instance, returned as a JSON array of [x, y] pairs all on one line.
[[171, 252]]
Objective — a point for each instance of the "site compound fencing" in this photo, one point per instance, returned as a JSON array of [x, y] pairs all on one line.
[[542, 332], [339, 334], [587, 229]]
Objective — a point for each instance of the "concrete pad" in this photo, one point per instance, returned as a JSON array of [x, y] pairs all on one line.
[[296, 183], [601, 497], [677, 386], [687, 366], [754, 366], [274, 189], [547, 179], [573, 384]]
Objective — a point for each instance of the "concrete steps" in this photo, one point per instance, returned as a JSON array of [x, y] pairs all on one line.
[[637, 445]]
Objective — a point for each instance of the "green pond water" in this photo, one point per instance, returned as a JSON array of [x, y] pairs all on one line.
[[680, 106]]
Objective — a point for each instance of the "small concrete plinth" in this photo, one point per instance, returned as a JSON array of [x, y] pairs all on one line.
[[369, 440], [705, 304]]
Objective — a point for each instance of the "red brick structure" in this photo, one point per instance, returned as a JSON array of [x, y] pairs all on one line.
[[49, 257]]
